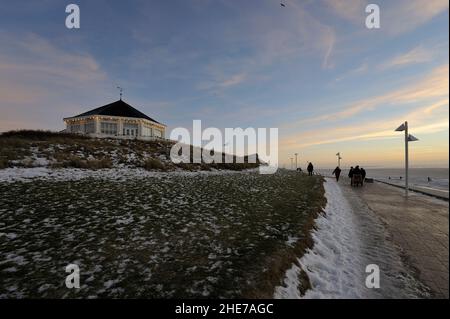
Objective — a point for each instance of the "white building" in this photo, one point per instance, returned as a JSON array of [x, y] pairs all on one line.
[[118, 120]]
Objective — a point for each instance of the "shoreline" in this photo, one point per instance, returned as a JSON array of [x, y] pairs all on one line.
[[433, 192]]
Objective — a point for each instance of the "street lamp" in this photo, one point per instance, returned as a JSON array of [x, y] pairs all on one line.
[[339, 158], [408, 138], [296, 161], [292, 163]]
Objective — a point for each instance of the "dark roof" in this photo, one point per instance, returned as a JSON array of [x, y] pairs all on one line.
[[118, 108]]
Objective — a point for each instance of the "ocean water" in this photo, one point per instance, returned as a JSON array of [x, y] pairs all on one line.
[[417, 176]]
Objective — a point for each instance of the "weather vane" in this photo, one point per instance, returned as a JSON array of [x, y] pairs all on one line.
[[120, 91]]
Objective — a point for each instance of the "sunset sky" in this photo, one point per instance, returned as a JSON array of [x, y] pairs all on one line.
[[311, 68]]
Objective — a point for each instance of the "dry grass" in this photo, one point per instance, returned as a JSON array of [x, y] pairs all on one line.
[[152, 164], [3, 162], [76, 162], [20, 148], [215, 236]]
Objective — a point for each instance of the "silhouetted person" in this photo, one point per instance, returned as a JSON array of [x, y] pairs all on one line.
[[429, 179], [310, 169], [337, 173], [356, 176], [350, 172], [363, 173]]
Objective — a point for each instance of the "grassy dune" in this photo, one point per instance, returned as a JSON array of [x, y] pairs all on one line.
[[29, 148], [205, 235]]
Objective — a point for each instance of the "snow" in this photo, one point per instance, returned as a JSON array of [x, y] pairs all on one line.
[[181, 233], [348, 238], [16, 174]]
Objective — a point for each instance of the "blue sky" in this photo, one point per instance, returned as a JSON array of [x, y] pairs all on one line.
[[311, 69]]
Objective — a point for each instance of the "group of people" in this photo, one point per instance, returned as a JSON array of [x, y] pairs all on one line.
[[357, 176], [353, 171], [357, 171]]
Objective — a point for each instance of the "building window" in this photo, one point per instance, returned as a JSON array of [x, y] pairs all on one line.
[[108, 128], [130, 129], [75, 128], [157, 133], [89, 127]]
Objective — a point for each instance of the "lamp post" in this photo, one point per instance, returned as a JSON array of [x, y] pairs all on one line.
[[296, 154], [408, 138], [292, 163], [339, 158]]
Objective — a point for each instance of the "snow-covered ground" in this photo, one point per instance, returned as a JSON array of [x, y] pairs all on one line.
[[17, 174], [136, 234], [348, 238]]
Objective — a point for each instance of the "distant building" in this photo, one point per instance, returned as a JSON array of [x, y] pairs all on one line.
[[118, 120]]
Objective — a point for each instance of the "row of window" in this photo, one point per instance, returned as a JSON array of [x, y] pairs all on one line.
[[111, 129], [108, 128], [75, 128], [89, 127]]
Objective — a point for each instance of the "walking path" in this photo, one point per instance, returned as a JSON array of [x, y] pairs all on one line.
[[348, 237], [419, 225]]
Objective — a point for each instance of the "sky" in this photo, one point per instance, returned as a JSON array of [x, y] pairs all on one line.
[[311, 69]]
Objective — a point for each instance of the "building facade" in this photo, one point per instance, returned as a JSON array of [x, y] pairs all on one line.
[[116, 120]]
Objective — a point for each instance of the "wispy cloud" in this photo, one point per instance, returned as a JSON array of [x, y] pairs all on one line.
[[415, 56], [431, 91], [38, 78], [402, 16], [350, 10], [361, 69], [397, 17], [424, 119], [433, 85], [221, 82]]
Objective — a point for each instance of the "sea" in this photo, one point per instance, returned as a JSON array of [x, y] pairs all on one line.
[[433, 178]]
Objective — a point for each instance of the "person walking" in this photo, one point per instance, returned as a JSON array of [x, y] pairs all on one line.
[[350, 172], [310, 169], [337, 173], [363, 174]]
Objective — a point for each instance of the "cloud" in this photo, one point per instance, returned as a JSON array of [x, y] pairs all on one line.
[[431, 91], [415, 56], [363, 68], [350, 10], [222, 82], [41, 81], [374, 130], [433, 85], [397, 17], [33, 58], [403, 16]]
